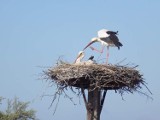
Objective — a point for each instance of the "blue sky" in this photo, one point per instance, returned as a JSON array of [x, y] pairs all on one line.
[[35, 33]]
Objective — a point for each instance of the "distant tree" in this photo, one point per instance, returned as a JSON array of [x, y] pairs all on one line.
[[17, 110], [1, 113]]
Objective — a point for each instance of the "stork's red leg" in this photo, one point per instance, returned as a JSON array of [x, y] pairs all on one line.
[[100, 51], [107, 54]]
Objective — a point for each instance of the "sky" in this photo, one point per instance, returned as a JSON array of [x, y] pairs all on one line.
[[35, 33]]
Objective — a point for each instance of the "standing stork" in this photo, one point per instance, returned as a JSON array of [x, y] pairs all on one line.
[[106, 38]]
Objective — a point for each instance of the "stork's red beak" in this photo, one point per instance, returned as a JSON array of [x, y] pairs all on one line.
[[89, 44]]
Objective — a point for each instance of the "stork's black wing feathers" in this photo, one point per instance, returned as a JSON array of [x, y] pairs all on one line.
[[112, 32], [91, 58], [115, 40]]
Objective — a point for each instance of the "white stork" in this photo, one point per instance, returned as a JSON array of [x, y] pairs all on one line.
[[80, 57], [106, 38]]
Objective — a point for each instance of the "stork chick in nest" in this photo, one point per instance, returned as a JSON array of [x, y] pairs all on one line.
[[80, 57]]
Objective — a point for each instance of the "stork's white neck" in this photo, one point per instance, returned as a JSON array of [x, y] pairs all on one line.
[[79, 59]]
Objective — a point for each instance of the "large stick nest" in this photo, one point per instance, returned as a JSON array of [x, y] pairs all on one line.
[[101, 76]]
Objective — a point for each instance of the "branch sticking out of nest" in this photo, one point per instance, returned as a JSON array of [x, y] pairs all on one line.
[[96, 76]]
